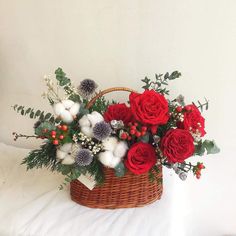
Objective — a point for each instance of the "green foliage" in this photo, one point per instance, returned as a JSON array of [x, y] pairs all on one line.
[[96, 169], [33, 114], [120, 170], [208, 146], [61, 77], [145, 138], [83, 110], [201, 106], [211, 147], [65, 82], [43, 157], [159, 81], [45, 125], [100, 105]]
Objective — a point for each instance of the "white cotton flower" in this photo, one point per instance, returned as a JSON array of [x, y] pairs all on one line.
[[67, 110], [114, 152], [87, 123], [67, 153]]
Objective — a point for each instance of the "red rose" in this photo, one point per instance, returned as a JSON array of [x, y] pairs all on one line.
[[141, 158], [150, 107], [118, 112], [193, 120], [177, 145]]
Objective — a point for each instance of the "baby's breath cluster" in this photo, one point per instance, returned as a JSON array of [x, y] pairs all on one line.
[[88, 143]]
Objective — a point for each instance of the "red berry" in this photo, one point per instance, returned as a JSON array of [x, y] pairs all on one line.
[[61, 136], [124, 135], [53, 136], [135, 124], [188, 108], [55, 142], [59, 126], [143, 133], [198, 176], [132, 132], [129, 124], [201, 166], [137, 134], [133, 127], [53, 132], [64, 127], [129, 138], [179, 109], [144, 128]]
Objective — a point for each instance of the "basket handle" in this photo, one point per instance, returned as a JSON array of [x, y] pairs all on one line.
[[109, 90]]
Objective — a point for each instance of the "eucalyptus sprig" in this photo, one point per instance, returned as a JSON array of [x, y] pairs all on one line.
[[160, 81]]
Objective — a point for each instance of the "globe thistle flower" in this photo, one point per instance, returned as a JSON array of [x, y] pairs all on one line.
[[101, 130], [87, 88], [84, 157]]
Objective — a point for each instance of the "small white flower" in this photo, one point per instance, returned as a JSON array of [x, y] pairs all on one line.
[[87, 123], [67, 110], [67, 153], [114, 152]]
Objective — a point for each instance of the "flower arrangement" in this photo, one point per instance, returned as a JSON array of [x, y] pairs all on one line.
[[87, 132]]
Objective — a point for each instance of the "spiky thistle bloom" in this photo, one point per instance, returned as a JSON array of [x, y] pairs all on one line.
[[101, 130], [84, 157], [87, 88]]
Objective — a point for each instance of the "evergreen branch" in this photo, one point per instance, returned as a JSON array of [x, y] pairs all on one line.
[[43, 157]]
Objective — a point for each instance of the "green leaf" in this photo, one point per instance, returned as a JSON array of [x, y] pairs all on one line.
[[174, 75], [47, 116], [145, 138], [31, 114], [19, 108], [199, 149], [83, 110], [28, 111], [120, 170], [211, 147], [61, 77], [37, 113]]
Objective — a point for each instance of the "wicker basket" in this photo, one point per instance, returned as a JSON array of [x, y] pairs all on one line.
[[118, 192]]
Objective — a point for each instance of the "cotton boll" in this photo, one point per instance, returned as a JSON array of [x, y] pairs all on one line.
[[120, 149], [66, 147], [58, 108], [66, 117], [68, 160], [109, 143], [115, 161], [60, 154], [67, 103], [87, 131], [74, 110], [106, 158], [94, 118], [84, 121]]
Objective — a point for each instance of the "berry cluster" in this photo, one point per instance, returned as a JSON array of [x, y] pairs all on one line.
[[134, 130], [197, 169], [56, 135]]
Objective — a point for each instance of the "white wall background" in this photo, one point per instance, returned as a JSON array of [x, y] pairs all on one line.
[[117, 43]]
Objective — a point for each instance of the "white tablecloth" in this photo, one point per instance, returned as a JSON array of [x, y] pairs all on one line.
[[32, 204]]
